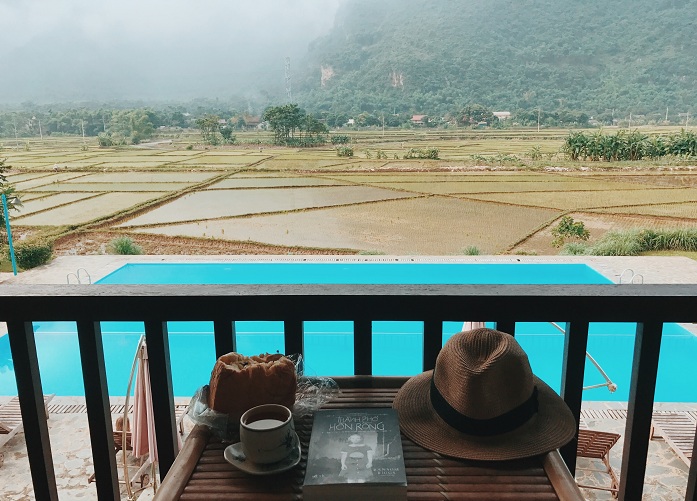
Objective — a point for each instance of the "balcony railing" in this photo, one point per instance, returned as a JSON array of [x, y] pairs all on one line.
[[647, 305]]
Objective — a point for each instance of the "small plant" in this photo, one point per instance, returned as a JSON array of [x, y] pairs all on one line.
[[344, 151], [535, 152], [567, 228], [471, 251], [32, 254], [381, 155], [190, 147], [124, 246], [368, 154]]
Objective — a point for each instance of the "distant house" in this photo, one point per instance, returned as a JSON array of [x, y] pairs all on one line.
[[502, 115], [222, 121], [351, 121], [419, 120], [253, 122]]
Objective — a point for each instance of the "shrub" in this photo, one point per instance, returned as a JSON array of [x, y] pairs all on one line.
[[574, 249], [425, 153], [34, 253], [471, 251], [341, 139], [618, 243], [124, 246], [344, 151], [567, 228], [104, 140]]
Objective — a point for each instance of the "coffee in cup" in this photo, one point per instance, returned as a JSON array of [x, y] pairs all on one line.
[[267, 433]]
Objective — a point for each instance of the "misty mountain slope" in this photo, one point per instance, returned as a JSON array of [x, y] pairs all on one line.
[[591, 55]]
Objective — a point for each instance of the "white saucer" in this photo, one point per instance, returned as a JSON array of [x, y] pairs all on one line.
[[235, 456]]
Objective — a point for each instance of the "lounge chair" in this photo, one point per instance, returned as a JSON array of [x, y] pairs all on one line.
[[594, 444], [678, 431], [11, 420]]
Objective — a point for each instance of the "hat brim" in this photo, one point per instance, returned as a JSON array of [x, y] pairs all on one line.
[[551, 427]]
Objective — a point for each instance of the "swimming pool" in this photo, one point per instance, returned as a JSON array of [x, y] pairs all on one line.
[[192, 346]]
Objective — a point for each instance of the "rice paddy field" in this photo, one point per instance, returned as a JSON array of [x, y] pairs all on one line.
[[485, 191]]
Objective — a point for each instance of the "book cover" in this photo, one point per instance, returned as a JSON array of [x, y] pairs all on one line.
[[355, 452]]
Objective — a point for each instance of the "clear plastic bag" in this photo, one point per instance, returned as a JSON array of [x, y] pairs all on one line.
[[312, 392]]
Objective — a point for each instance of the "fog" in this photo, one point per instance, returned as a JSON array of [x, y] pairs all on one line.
[[87, 50]]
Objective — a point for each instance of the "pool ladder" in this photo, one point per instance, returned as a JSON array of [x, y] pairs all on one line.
[[79, 277], [633, 278]]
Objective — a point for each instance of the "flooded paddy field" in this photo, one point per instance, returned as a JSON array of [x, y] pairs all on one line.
[[314, 199]]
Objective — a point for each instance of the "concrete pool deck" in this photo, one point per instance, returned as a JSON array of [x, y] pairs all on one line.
[[666, 476]]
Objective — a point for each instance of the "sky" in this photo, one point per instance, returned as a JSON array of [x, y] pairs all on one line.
[[66, 50]]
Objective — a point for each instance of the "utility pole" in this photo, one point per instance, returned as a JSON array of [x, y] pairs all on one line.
[[538, 119], [41, 134], [82, 124], [383, 125], [666, 114], [289, 92], [630, 120], [687, 119], [14, 123]]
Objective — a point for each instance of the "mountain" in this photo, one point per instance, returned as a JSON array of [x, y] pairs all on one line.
[[422, 56]]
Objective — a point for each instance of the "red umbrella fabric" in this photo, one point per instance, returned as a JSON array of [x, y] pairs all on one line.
[[144, 441], [144, 435]]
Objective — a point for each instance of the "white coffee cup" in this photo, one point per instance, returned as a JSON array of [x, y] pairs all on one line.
[[267, 433]]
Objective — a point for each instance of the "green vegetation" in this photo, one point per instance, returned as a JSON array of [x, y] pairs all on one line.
[[293, 127], [124, 246], [631, 146], [341, 139], [344, 151], [566, 229], [7, 190], [471, 250], [32, 254], [637, 241], [422, 153], [547, 56]]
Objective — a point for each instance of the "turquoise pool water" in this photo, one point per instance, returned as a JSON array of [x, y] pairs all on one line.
[[192, 347]]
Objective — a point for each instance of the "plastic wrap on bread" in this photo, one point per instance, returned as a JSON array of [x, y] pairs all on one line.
[[310, 393], [239, 383]]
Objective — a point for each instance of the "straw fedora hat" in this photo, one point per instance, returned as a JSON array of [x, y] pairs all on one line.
[[483, 402]]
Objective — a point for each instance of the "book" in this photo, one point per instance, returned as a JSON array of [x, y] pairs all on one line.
[[355, 453]]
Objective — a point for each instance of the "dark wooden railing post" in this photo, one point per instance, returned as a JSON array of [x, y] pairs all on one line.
[[433, 342], [31, 401], [573, 368], [293, 336], [224, 334], [508, 327], [363, 347], [89, 336], [157, 341], [647, 346]]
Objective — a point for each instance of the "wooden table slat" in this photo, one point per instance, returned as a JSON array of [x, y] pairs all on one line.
[[201, 472]]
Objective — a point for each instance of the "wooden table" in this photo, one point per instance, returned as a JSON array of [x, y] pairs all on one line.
[[201, 473]]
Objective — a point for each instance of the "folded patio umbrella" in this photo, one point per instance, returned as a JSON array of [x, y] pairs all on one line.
[[144, 437], [468, 326]]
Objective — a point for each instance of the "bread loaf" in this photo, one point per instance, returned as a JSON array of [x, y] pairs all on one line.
[[239, 383]]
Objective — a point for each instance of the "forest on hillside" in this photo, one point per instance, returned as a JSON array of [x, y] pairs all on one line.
[[606, 59]]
